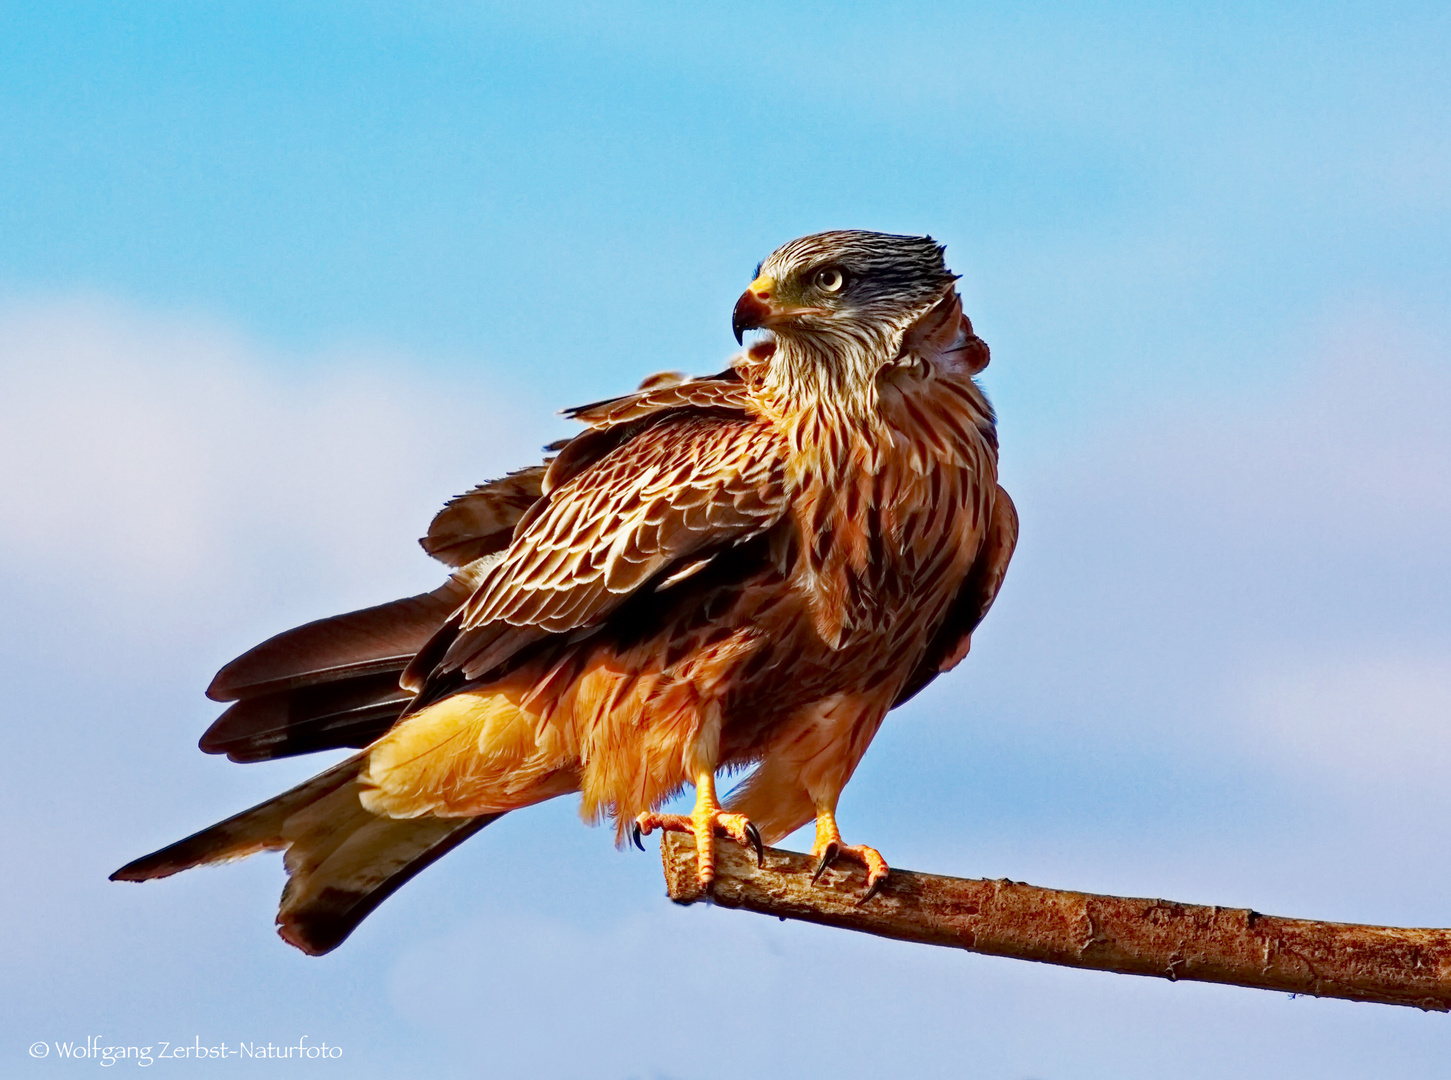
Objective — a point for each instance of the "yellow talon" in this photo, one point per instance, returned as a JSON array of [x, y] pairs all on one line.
[[705, 822], [829, 848]]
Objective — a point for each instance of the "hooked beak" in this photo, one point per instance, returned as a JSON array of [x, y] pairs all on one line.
[[758, 309], [754, 307]]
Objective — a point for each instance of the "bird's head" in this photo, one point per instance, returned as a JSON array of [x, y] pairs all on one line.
[[839, 302], [843, 282]]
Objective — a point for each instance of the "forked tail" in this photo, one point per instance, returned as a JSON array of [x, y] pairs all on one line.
[[342, 861]]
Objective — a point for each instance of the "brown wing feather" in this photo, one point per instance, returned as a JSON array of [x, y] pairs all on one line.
[[481, 521], [949, 645], [371, 639], [620, 419], [330, 683], [349, 712], [665, 392], [685, 485]]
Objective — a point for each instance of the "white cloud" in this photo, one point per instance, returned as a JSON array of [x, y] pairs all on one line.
[[162, 455]]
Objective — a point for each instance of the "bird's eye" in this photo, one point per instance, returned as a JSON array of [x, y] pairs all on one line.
[[829, 279]]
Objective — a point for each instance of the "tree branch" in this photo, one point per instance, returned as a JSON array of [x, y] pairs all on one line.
[[1108, 933]]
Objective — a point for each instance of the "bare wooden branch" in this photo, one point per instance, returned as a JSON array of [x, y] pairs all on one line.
[[1108, 933]]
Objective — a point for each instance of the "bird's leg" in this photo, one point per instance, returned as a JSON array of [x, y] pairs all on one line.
[[706, 821], [828, 848]]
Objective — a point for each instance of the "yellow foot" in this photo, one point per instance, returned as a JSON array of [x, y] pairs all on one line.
[[706, 823], [868, 857]]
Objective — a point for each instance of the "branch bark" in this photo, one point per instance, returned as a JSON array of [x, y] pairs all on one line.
[[1168, 940]]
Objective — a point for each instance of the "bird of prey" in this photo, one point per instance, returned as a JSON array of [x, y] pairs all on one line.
[[749, 569]]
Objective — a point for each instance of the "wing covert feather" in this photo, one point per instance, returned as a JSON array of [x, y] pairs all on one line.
[[481, 521], [686, 484]]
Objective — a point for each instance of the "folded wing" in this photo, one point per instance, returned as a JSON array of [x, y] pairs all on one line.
[[651, 510]]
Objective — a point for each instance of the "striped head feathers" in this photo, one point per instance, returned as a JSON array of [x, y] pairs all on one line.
[[838, 304]]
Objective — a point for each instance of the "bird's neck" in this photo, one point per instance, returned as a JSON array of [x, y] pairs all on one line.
[[829, 377], [825, 389], [822, 392], [830, 373]]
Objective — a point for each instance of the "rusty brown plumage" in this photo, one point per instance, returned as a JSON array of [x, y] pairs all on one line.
[[746, 569]]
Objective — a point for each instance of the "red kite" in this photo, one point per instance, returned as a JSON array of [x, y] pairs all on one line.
[[746, 569]]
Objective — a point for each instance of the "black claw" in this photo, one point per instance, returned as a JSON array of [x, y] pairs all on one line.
[[635, 836], [872, 890], [828, 856], [753, 834]]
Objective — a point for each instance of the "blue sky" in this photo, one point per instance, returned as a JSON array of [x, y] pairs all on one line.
[[276, 280]]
